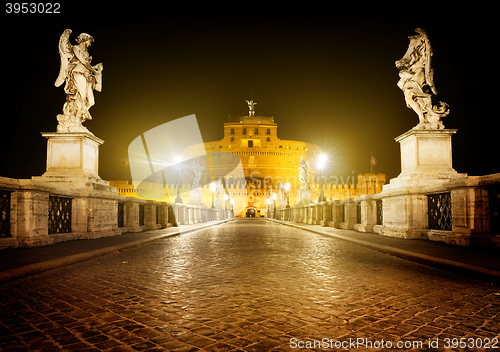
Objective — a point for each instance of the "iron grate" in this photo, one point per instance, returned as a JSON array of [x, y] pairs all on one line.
[[439, 211], [5, 214], [380, 212], [59, 215], [121, 214], [141, 214]]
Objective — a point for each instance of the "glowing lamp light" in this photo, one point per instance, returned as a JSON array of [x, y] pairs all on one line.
[[287, 186], [322, 160], [178, 159]]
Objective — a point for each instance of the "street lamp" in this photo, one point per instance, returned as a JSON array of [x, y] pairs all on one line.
[[322, 159], [321, 165], [287, 190]]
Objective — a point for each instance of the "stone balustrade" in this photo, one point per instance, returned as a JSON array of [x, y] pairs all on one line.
[[467, 212], [37, 213]]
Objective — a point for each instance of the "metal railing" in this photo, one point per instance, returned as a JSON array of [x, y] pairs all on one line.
[[59, 215], [5, 214], [380, 211], [121, 214], [141, 214], [439, 211]]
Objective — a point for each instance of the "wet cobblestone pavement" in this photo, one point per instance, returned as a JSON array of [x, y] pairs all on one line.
[[248, 285]]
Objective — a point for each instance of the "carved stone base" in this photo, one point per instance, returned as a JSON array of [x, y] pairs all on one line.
[[304, 198], [426, 165], [282, 203], [196, 197], [218, 203], [72, 155], [425, 151]]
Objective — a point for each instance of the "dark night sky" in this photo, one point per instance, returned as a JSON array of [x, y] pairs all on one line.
[[327, 76]]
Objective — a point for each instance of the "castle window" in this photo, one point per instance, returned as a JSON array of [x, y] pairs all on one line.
[[232, 139], [268, 139], [250, 144], [244, 131], [232, 130], [268, 132], [256, 131]]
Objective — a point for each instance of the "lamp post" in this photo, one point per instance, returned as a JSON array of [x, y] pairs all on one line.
[[274, 205], [321, 165]]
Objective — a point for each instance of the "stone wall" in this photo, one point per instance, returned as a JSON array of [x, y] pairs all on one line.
[[473, 213], [40, 213]]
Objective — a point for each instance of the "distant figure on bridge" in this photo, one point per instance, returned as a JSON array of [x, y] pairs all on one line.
[[303, 171]]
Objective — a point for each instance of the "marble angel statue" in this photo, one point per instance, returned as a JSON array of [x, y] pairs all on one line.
[[281, 189], [219, 188], [417, 82], [197, 167], [81, 80], [303, 171]]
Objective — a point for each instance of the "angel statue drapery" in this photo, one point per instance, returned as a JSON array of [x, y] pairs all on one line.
[[303, 171], [417, 82], [197, 167], [81, 80]]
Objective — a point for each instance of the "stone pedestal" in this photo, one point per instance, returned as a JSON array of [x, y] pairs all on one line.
[[426, 164], [72, 172], [72, 157], [282, 203], [304, 197], [196, 197], [426, 159], [218, 203]]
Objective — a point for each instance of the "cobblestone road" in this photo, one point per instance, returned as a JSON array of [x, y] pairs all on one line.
[[246, 285]]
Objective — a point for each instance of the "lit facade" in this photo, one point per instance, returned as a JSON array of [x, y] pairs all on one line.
[[266, 160]]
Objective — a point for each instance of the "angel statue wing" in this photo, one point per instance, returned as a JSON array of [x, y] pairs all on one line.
[[66, 52], [429, 72]]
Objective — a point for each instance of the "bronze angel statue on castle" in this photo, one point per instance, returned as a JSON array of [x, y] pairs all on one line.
[[81, 80], [417, 82]]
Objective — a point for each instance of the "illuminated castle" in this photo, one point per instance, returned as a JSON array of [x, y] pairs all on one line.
[[266, 160]]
